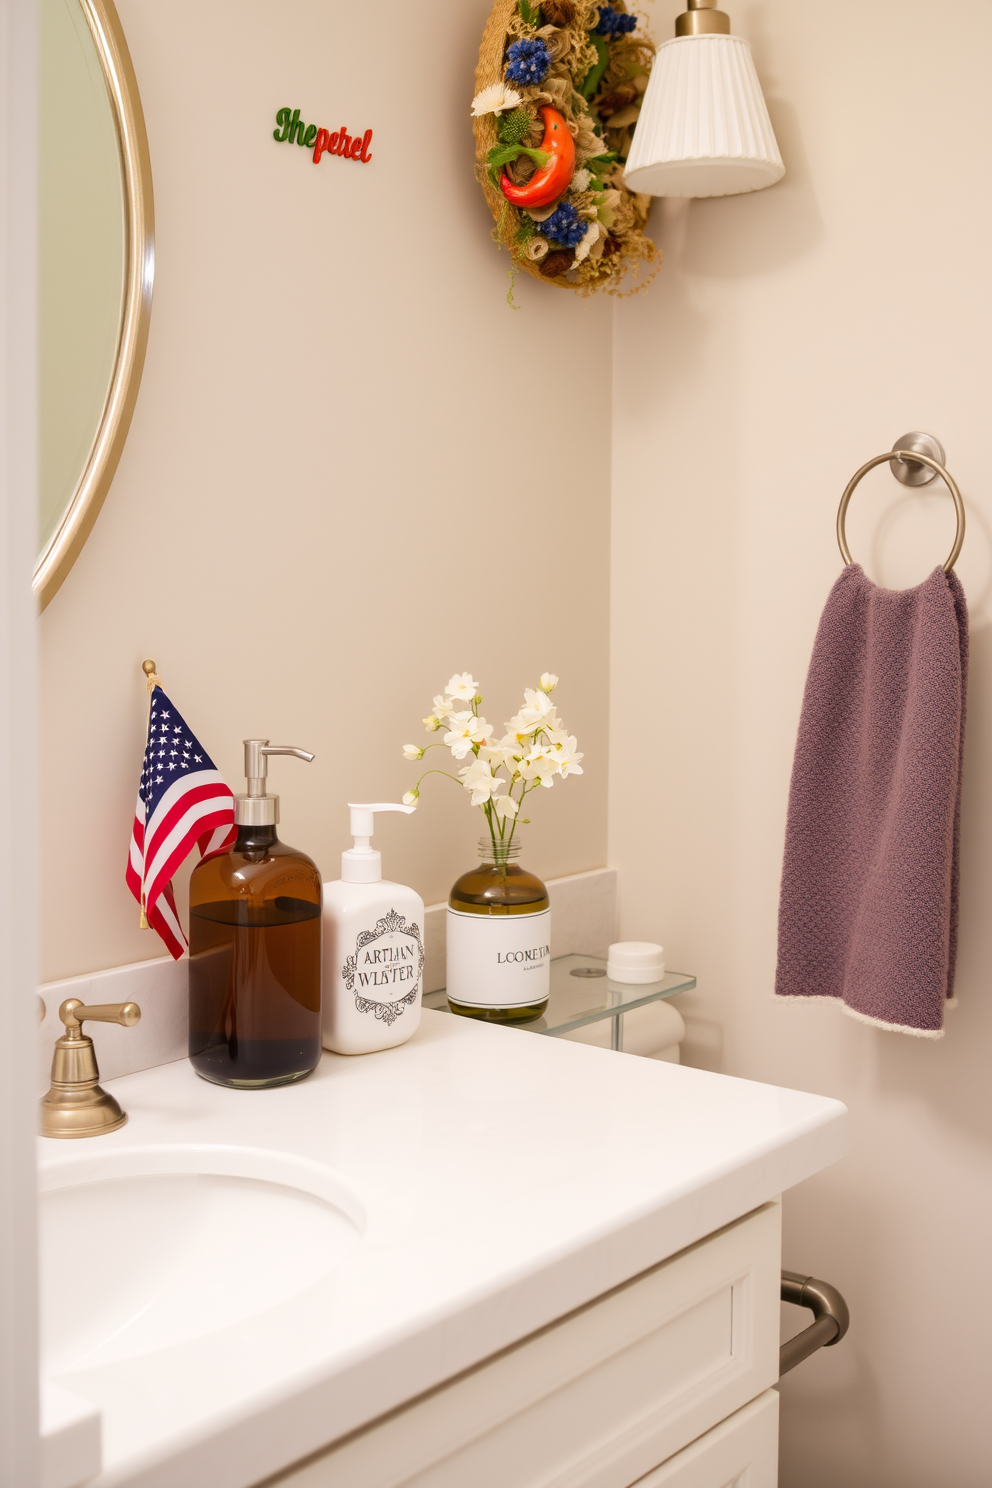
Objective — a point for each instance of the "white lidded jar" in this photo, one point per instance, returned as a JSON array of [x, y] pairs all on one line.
[[499, 939], [373, 961]]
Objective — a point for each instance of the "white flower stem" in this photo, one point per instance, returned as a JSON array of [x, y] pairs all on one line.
[[534, 747]]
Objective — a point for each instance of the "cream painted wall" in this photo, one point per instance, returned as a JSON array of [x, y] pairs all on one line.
[[793, 334], [352, 469], [318, 469]]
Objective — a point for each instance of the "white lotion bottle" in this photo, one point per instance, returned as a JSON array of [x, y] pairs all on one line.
[[373, 965]]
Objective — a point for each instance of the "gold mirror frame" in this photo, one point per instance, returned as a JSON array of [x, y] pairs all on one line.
[[65, 544]]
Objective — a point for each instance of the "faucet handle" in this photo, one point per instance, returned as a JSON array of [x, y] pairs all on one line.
[[73, 1013], [76, 1106]]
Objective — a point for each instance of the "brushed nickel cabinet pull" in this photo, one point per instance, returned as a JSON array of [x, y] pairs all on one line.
[[830, 1313]]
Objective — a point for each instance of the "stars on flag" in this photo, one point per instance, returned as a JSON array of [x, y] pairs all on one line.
[[182, 802]]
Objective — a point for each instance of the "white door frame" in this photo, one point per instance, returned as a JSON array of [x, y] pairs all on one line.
[[18, 747]]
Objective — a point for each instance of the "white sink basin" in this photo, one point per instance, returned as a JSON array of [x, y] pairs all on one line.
[[147, 1248]]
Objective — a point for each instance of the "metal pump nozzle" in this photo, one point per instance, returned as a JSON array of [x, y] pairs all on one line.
[[258, 808]]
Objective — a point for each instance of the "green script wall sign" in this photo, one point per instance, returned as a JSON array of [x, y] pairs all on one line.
[[292, 130]]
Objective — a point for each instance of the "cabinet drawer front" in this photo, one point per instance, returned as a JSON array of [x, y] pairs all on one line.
[[741, 1452], [599, 1398]]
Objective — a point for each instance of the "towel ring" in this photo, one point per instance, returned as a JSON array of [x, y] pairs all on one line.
[[897, 454]]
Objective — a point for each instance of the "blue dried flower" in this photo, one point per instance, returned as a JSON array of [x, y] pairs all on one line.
[[614, 22], [564, 226], [527, 62]]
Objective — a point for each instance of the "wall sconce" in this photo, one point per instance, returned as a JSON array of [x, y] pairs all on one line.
[[704, 128]]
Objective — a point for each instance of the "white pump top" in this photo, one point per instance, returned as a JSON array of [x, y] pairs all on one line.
[[361, 863]]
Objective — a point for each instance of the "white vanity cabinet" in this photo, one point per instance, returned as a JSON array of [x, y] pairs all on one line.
[[663, 1381], [556, 1267]]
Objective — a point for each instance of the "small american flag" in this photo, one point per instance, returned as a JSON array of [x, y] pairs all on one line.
[[182, 800]]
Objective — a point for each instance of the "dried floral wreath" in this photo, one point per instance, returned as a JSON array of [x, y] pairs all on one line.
[[560, 86]]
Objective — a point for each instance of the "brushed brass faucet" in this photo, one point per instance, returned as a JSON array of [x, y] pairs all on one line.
[[76, 1105]]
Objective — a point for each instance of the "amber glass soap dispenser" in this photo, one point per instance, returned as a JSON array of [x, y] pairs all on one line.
[[254, 954]]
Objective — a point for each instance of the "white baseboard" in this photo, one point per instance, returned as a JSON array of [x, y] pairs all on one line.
[[584, 916]]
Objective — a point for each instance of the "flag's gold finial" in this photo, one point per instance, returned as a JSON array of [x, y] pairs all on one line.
[[148, 667]]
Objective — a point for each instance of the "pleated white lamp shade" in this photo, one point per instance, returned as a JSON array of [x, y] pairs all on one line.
[[704, 128]]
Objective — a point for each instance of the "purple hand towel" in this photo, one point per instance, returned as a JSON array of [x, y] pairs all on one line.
[[869, 907]]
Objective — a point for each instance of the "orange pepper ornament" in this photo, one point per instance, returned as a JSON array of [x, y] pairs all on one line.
[[547, 184]]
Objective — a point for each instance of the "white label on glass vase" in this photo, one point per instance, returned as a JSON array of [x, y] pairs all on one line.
[[499, 961]]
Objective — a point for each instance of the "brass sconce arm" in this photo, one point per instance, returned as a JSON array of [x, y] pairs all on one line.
[[702, 19]]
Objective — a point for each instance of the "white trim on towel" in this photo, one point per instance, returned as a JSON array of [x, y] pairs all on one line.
[[927, 1033]]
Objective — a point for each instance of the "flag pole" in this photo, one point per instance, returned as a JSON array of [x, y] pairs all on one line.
[[152, 680]]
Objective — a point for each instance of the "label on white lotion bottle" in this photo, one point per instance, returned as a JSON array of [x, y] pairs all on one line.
[[498, 961]]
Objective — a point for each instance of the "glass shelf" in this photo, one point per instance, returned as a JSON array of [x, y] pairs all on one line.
[[582, 993]]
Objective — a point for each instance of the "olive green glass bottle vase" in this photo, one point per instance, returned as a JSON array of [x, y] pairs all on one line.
[[499, 939]]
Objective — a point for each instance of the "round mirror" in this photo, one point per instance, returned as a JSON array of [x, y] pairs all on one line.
[[95, 269]]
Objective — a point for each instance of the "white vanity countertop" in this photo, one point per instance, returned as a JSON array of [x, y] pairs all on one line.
[[505, 1179]]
